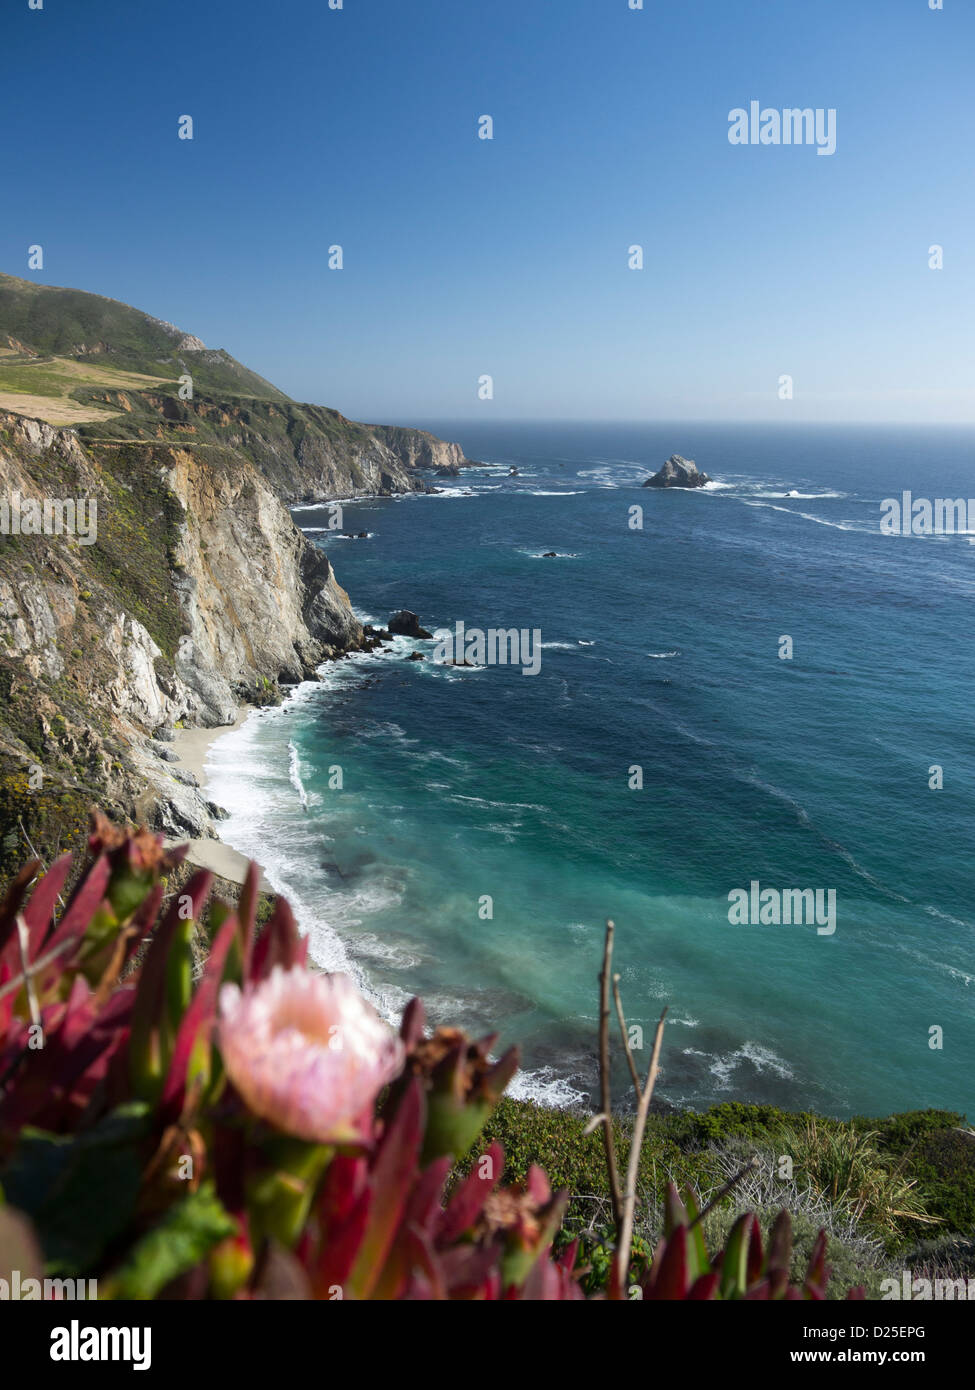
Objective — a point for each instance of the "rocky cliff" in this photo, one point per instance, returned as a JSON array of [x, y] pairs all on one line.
[[307, 453], [196, 592]]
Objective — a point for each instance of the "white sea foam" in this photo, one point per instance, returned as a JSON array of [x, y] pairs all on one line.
[[294, 774], [845, 525], [444, 492], [499, 805], [617, 474], [801, 496], [723, 1067], [545, 1087]]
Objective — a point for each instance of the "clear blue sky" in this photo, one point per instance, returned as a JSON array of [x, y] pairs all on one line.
[[464, 257]]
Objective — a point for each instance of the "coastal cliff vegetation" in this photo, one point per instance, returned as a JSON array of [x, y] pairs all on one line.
[[264, 1134]]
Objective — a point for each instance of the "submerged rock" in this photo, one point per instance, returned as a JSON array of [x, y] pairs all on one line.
[[678, 472]]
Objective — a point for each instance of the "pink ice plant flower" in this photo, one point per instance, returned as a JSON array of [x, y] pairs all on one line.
[[307, 1053]]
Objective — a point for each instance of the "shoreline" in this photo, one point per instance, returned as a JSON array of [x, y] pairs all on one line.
[[192, 748]]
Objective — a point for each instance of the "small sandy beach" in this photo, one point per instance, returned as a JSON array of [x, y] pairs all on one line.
[[192, 747]]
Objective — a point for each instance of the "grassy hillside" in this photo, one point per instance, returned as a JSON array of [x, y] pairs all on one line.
[[60, 383], [65, 323], [77, 359]]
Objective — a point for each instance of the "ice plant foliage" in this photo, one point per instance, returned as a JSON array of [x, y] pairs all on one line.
[[259, 1132], [682, 1269], [307, 1053]]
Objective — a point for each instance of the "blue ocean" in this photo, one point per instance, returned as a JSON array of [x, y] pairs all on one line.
[[462, 833]]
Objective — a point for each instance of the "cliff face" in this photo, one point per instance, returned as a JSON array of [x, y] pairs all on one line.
[[197, 591], [307, 453]]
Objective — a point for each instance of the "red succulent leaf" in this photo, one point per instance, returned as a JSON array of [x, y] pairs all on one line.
[[196, 1023], [426, 1279], [391, 1178], [471, 1271], [13, 901], [468, 1201], [412, 1024], [423, 1207], [675, 1213], [6, 1001], [705, 1287], [341, 1246], [497, 1078], [72, 1044], [346, 1178], [537, 1185], [40, 910], [546, 1282], [761, 1291], [278, 944], [247, 915], [756, 1256], [152, 980], [83, 903], [669, 1270], [414, 1238]]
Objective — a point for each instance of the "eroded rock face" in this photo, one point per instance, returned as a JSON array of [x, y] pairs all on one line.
[[678, 472], [259, 600], [94, 662], [308, 453]]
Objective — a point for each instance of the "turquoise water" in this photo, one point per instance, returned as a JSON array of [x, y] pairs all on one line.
[[660, 649]]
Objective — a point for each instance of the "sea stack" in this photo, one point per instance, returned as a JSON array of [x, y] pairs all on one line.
[[678, 472], [407, 624]]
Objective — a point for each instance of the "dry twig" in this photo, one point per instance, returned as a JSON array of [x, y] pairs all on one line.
[[606, 1096]]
